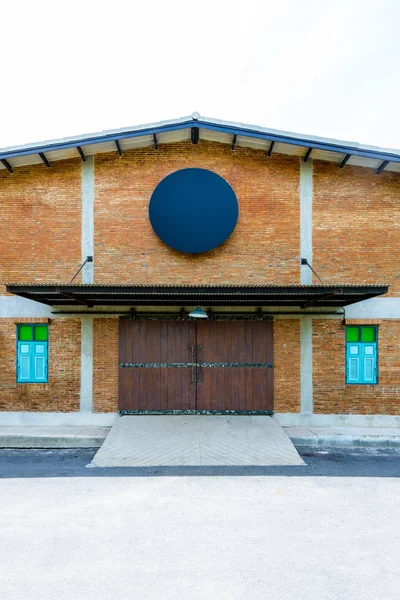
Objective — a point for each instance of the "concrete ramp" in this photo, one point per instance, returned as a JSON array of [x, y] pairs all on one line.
[[196, 440]]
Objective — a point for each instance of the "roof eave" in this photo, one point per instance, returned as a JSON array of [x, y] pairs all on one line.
[[210, 125]]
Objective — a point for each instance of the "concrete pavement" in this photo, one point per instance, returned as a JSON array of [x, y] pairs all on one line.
[[91, 536], [196, 440], [384, 437], [52, 437]]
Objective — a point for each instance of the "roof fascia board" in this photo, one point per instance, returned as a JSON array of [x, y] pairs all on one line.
[[221, 128]]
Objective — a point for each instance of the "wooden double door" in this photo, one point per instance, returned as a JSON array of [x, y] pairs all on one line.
[[195, 366]]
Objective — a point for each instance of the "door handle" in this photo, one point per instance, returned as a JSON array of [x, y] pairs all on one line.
[[199, 361], [193, 379]]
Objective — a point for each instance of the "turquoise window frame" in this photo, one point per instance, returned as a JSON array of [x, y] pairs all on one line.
[[32, 358], [362, 357]]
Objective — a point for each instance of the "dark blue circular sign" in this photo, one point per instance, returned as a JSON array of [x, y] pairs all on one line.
[[193, 210]]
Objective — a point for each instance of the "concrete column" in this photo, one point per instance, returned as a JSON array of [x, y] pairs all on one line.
[[306, 368], [306, 193], [88, 218], [86, 392]]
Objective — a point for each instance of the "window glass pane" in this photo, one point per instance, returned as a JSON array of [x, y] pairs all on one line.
[[368, 334], [353, 334], [369, 350], [25, 333], [41, 333], [353, 349]]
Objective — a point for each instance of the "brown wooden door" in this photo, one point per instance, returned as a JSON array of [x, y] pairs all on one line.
[[195, 366], [154, 377], [235, 366]]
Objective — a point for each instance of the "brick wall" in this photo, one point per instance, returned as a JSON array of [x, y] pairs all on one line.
[[287, 365], [61, 393], [40, 221], [332, 395], [105, 365], [356, 225], [264, 248]]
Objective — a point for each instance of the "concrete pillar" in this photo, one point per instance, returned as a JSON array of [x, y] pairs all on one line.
[[306, 367], [88, 218], [86, 391], [306, 193]]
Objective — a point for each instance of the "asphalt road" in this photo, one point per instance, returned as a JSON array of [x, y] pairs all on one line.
[[330, 530]]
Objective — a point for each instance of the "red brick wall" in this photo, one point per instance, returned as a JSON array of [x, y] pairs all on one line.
[[105, 365], [61, 393], [356, 225], [332, 395], [40, 222], [286, 365], [264, 248]]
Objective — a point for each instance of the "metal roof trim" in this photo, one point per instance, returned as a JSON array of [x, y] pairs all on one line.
[[250, 131], [193, 287]]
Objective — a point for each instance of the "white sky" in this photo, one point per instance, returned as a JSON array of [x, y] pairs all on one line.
[[328, 68]]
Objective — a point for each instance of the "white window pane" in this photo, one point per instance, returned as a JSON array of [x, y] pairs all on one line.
[[368, 350], [353, 349], [24, 348], [39, 349]]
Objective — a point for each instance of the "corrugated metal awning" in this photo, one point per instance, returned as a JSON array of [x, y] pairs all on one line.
[[205, 295]]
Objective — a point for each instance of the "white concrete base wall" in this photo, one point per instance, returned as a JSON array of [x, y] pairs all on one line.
[[323, 420], [88, 419], [54, 419]]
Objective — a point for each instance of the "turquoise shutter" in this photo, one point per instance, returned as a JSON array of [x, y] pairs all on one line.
[[24, 362], [39, 362], [353, 363], [369, 363]]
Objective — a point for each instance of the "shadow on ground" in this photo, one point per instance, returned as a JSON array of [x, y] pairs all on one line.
[[349, 462]]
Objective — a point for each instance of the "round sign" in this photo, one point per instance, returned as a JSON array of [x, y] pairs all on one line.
[[193, 210]]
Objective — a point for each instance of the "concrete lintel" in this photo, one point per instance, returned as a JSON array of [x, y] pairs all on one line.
[[306, 199], [86, 390], [88, 218], [306, 365]]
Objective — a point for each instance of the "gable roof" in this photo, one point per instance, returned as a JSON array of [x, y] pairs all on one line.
[[195, 127]]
